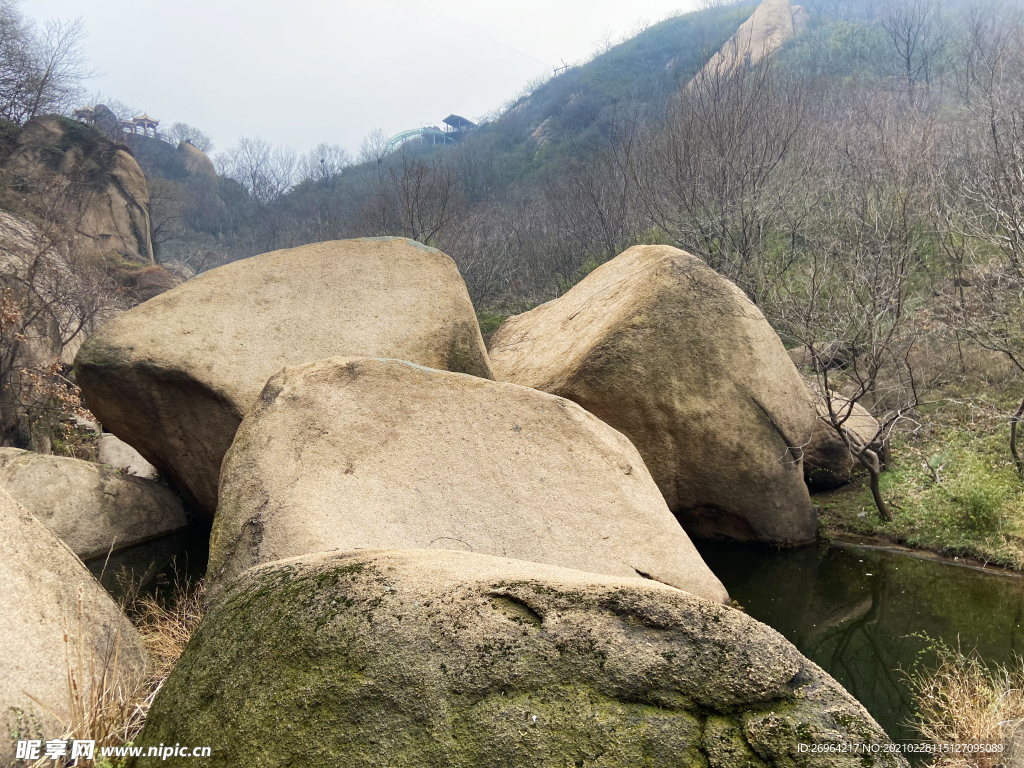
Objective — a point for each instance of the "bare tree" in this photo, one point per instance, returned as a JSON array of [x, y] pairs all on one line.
[[264, 172], [185, 132], [40, 71], [425, 193], [373, 147], [860, 281], [605, 41], [324, 162], [918, 36], [168, 205], [985, 205], [595, 208], [710, 177]]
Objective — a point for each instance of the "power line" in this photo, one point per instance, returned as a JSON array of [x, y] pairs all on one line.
[[432, 12]]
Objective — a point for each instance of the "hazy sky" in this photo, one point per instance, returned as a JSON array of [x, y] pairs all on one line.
[[307, 71]]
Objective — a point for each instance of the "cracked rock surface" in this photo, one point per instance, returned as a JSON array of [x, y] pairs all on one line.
[[442, 658]]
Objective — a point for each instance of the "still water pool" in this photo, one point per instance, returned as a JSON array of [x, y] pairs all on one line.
[[858, 612]]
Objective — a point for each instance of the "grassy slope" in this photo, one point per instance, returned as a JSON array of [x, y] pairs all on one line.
[[974, 510]]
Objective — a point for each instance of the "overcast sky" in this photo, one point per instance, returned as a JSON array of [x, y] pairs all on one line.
[[306, 71]]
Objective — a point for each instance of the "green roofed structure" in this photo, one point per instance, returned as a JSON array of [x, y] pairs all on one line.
[[456, 128]]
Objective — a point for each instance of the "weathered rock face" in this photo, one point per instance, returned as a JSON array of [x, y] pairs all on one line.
[[828, 463], [89, 507], [350, 453], [174, 376], [21, 244], [675, 357], [44, 586], [108, 202], [420, 658], [773, 23], [196, 162]]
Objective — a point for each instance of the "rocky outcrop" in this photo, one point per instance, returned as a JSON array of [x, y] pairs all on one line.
[[435, 658], [675, 357], [24, 252], [541, 135], [46, 593], [107, 204], [91, 508], [828, 463], [773, 23], [195, 161], [174, 376], [352, 453]]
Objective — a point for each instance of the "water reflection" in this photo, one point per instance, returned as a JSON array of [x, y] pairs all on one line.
[[155, 563], [855, 612]]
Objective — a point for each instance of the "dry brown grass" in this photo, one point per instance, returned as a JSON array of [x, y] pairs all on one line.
[[102, 702], [167, 624], [963, 700], [98, 706]]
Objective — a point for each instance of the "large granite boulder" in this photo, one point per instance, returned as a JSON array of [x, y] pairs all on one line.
[[674, 356], [91, 508], [107, 121], [349, 453], [195, 161], [456, 659], [47, 592], [174, 376]]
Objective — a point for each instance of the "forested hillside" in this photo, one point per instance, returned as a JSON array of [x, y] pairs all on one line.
[[561, 179]]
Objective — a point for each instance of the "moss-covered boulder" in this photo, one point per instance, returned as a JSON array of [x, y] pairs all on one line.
[[174, 376], [678, 359], [415, 659], [57, 620], [352, 453]]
